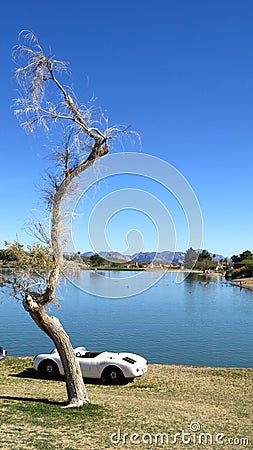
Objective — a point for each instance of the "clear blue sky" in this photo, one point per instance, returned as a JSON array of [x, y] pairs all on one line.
[[180, 72]]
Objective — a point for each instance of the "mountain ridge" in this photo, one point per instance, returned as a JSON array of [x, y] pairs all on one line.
[[165, 256]]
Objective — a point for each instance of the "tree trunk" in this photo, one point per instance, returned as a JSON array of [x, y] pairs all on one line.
[[76, 390], [35, 303], [37, 70]]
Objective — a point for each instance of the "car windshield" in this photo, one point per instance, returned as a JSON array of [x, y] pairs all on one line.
[[90, 355]]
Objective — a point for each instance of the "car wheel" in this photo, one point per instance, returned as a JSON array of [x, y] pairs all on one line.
[[112, 375], [49, 368]]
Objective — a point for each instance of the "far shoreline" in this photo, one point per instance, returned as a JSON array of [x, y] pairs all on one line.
[[243, 283]]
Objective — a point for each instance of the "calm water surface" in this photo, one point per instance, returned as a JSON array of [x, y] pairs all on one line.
[[197, 322]]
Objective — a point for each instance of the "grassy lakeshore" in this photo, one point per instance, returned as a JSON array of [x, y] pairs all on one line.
[[246, 283], [166, 400]]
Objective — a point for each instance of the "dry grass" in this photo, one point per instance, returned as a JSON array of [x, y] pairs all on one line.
[[166, 400], [244, 282]]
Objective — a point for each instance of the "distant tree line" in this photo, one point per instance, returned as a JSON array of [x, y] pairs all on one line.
[[94, 260], [242, 266], [199, 260]]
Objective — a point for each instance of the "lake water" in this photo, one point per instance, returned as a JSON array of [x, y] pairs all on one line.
[[197, 322]]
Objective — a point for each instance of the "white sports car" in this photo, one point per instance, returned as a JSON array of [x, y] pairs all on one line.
[[113, 368]]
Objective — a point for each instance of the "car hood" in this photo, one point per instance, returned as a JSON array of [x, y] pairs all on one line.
[[121, 355]]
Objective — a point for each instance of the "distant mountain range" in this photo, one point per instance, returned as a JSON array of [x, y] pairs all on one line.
[[110, 256], [159, 257]]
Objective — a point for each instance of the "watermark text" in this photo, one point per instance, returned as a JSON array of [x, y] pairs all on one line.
[[193, 436]]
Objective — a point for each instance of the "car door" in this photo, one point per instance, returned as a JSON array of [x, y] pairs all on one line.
[[89, 366]]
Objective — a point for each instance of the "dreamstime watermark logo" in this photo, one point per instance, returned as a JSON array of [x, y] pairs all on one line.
[[143, 169], [193, 436]]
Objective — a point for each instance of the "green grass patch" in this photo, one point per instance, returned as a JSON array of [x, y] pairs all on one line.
[[33, 412]]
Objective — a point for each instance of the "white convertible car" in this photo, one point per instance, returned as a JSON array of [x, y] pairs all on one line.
[[113, 368]]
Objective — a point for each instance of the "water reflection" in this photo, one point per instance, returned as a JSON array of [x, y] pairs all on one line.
[[201, 321]]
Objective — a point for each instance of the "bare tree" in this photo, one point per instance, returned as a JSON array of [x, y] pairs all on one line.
[[36, 271]]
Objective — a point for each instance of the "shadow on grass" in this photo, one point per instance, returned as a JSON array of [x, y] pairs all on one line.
[[33, 374], [33, 400], [50, 410], [30, 373]]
